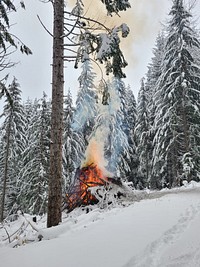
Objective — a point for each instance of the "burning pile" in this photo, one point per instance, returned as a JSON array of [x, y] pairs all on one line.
[[92, 182], [80, 193], [87, 185]]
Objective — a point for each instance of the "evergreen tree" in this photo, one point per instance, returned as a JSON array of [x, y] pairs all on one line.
[[12, 144], [86, 106], [142, 135], [7, 39], [34, 174], [128, 108], [153, 74], [177, 121], [73, 144], [131, 107], [130, 116]]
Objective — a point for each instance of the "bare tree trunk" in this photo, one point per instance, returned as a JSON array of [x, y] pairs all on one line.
[[5, 178], [55, 180]]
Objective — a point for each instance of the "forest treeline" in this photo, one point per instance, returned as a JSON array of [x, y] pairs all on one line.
[[153, 142]]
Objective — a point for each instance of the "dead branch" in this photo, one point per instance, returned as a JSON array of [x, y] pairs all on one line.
[[192, 4], [34, 228], [6, 233], [88, 19], [14, 233], [70, 50], [74, 44], [44, 26], [66, 57], [71, 31]]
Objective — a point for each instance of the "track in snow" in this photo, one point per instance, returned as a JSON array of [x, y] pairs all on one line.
[[157, 253]]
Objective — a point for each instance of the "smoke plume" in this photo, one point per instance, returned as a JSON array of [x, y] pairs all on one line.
[[143, 20]]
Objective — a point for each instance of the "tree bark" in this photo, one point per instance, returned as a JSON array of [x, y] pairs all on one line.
[[5, 178], [54, 216]]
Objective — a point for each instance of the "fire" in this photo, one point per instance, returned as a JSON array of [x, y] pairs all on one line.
[[90, 176], [92, 173], [94, 154], [85, 177]]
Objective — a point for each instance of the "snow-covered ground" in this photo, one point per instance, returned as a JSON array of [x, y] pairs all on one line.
[[160, 230]]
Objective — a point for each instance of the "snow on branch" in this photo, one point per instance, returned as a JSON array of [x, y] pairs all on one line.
[[115, 6], [106, 46]]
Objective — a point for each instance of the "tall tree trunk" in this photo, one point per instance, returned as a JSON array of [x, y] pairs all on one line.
[[55, 180], [5, 178]]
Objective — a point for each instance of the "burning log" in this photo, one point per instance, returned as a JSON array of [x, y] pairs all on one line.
[[86, 187]]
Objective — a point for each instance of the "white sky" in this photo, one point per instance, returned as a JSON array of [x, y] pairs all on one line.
[[34, 72]]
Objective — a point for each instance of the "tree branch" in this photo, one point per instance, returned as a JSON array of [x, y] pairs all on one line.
[[88, 19], [44, 26]]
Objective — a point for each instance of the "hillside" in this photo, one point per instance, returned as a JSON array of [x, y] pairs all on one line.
[[162, 229]]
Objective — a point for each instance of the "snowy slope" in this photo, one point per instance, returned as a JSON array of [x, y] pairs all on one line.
[[161, 230]]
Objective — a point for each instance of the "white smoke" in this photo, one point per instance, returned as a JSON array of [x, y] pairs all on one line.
[[143, 21], [102, 138]]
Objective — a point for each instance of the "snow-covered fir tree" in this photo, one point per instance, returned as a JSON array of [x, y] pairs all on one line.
[[12, 146], [176, 154], [86, 106], [34, 174], [73, 144], [129, 110], [142, 136], [154, 72], [152, 77]]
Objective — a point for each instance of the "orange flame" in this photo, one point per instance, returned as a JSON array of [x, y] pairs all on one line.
[[87, 177], [92, 173], [90, 176]]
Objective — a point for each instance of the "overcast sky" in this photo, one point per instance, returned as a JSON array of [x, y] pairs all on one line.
[[34, 72]]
